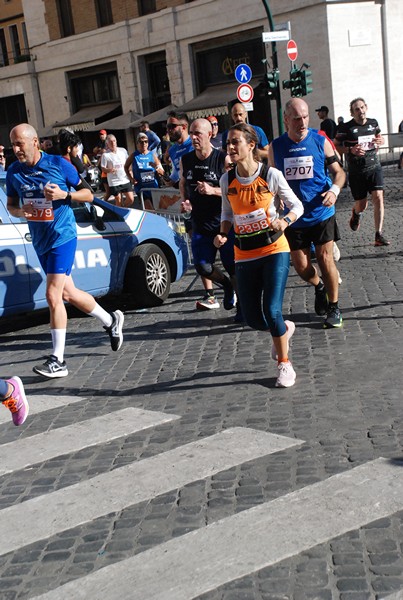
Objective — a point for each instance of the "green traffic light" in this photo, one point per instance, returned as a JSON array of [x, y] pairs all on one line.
[[300, 82], [272, 78], [306, 82]]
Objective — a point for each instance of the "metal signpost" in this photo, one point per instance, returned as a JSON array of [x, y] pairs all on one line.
[[275, 67]]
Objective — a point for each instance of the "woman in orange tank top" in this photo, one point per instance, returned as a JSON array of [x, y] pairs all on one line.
[[253, 201]]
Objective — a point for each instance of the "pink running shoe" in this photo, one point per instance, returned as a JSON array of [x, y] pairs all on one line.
[[17, 402], [290, 332], [286, 375]]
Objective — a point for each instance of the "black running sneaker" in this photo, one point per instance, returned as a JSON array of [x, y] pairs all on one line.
[[321, 302], [333, 318], [52, 368], [380, 240], [115, 330], [355, 221]]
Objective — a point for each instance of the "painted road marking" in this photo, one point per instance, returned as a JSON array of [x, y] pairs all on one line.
[[38, 404], [143, 480], [200, 561], [29, 451]]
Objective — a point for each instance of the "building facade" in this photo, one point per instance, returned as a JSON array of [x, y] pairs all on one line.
[[91, 61]]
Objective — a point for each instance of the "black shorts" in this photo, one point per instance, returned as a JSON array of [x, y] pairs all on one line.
[[117, 189], [362, 184], [300, 238]]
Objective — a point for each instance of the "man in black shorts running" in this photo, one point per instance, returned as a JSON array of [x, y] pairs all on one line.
[[359, 139]]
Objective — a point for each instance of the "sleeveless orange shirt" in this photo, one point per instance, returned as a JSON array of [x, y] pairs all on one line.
[[254, 209]]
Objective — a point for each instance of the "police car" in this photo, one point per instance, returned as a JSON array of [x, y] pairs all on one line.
[[119, 250]]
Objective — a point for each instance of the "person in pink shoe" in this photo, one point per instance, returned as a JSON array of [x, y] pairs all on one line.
[[12, 396], [251, 194]]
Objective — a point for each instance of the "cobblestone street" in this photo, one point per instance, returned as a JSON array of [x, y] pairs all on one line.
[[213, 484]]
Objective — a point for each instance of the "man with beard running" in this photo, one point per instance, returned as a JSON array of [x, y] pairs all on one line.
[[178, 131], [359, 140]]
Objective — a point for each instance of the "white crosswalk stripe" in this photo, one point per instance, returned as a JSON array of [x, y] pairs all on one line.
[[69, 507], [38, 404], [202, 560], [44, 446], [192, 564]]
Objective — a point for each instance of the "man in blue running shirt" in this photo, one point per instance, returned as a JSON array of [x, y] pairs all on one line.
[[178, 131], [38, 189], [307, 159], [240, 115]]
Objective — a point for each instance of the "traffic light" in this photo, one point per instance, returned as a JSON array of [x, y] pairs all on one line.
[[294, 83], [286, 84], [300, 81], [306, 82], [295, 77], [272, 78]]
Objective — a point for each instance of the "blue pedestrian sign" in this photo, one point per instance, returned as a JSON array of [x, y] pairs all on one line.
[[243, 73]]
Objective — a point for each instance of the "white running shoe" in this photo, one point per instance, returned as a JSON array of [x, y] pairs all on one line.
[[290, 332], [207, 303], [286, 375]]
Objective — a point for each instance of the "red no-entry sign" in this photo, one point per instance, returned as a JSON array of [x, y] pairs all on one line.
[[292, 50]]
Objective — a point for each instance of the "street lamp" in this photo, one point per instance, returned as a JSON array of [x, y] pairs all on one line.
[[275, 68]]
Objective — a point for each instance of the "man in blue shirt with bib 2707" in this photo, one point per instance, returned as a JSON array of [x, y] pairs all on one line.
[[307, 161]]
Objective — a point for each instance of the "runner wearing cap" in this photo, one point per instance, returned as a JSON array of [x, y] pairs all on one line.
[[327, 125]]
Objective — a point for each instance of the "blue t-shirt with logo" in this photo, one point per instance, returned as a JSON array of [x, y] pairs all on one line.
[[55, 224], [143, 172], [176, 151]]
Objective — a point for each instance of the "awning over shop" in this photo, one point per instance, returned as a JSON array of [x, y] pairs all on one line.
[[213, 100], [156, 116], [120, 122], [86, 118]]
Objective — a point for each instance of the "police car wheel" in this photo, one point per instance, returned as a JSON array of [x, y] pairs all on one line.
[[148, 276]]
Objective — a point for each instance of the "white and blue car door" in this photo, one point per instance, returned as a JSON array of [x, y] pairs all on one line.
[[97, 251], [22, 281]]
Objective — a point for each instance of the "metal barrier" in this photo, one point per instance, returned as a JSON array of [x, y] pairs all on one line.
[[390, 154], [166, 202]]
